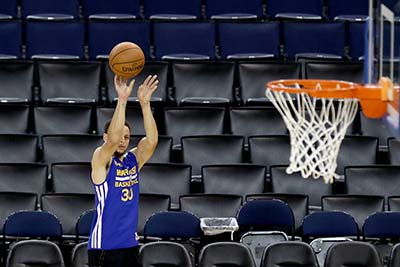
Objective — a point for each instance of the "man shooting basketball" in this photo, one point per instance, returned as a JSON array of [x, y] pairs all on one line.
[[115, 175]]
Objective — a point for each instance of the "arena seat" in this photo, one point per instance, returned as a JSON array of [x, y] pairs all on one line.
[[67, 42], [117, 31], [133, 116], [172, 10], [14, 119], [22, 79], [104, 9], [224, 9], [184, 40], [169, 179], [8, 9], [150, 204], [18, 148], [164, 253], [292, 9], [48, 8], [248, 40], [10, 30], [71, 178], [215, 255]]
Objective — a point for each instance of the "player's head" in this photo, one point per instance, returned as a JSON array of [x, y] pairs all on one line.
[[124, 143]]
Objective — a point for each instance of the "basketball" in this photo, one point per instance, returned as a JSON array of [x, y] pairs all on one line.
[[126, 59]]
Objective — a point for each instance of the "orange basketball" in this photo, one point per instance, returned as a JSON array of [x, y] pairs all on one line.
[[126, 59]]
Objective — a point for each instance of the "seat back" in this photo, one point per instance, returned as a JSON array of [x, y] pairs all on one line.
[[184, 38], [341, 7], [313, 7], [299, 37], [41, 224], [203, 150], [164, 253], [12, 32], [169, 179], [14, 119], [214, 254], [203, 80], [91, 7], [352, 254], [24, 177], [248, 38], [219, 7], [289, 253], [68, 208], [191, 121], [71, 178], [80, 255], [117, 31], [176, 7], [329, 224], [68, 38], [295, 184], [173, 224], [35, 7], [35, 253], [253, 77], [346, 71], [297, 202], [356, 150], [76, 148], [62, 120], [9, 7], [73, 82], [256, 121], [18, 148], [372, 180], [211, 205], [234, 179], [278, 147], [18, 86]]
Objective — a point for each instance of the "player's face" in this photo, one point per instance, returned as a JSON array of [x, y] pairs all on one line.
[[124, 143]]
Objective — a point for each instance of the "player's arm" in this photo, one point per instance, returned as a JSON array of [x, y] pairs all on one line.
[[102, 155], [148, 144]]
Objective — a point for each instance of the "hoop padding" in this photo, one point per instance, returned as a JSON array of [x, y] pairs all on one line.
[[317, 127]]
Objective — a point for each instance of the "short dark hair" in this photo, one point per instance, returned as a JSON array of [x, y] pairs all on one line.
[[107, 125]]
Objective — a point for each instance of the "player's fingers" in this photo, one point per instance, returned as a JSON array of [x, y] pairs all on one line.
[[147, 80], [153, 79], [131, 84]]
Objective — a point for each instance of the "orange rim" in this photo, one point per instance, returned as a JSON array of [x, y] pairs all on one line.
[[373, 98]]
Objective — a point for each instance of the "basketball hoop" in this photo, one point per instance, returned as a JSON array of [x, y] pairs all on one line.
[[317, 114]]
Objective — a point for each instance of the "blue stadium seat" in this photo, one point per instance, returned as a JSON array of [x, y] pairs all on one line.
[[8, 9], [49, 8], [252, 214], [84, 224], [384, 224], [105, 9], [234, 9], [356, 37], [294, 9], [116, 32], [173, 224], [10, 36], [67, 39], [315, 40], [175, 9], [32, 224], [343, 9], [184, 40], [248, 40], [329, 224]]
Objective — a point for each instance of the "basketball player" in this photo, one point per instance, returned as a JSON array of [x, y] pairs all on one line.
[[115, 174]]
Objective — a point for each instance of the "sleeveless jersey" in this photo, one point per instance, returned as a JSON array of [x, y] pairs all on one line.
[[117, 198]]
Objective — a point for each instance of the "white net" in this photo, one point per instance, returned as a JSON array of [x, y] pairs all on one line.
[[317, 128]]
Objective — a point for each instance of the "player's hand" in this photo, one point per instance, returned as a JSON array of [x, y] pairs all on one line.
[[122, 87], [147, 89]]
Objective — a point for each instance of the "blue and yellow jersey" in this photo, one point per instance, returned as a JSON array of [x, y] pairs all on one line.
[[117, 198]]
